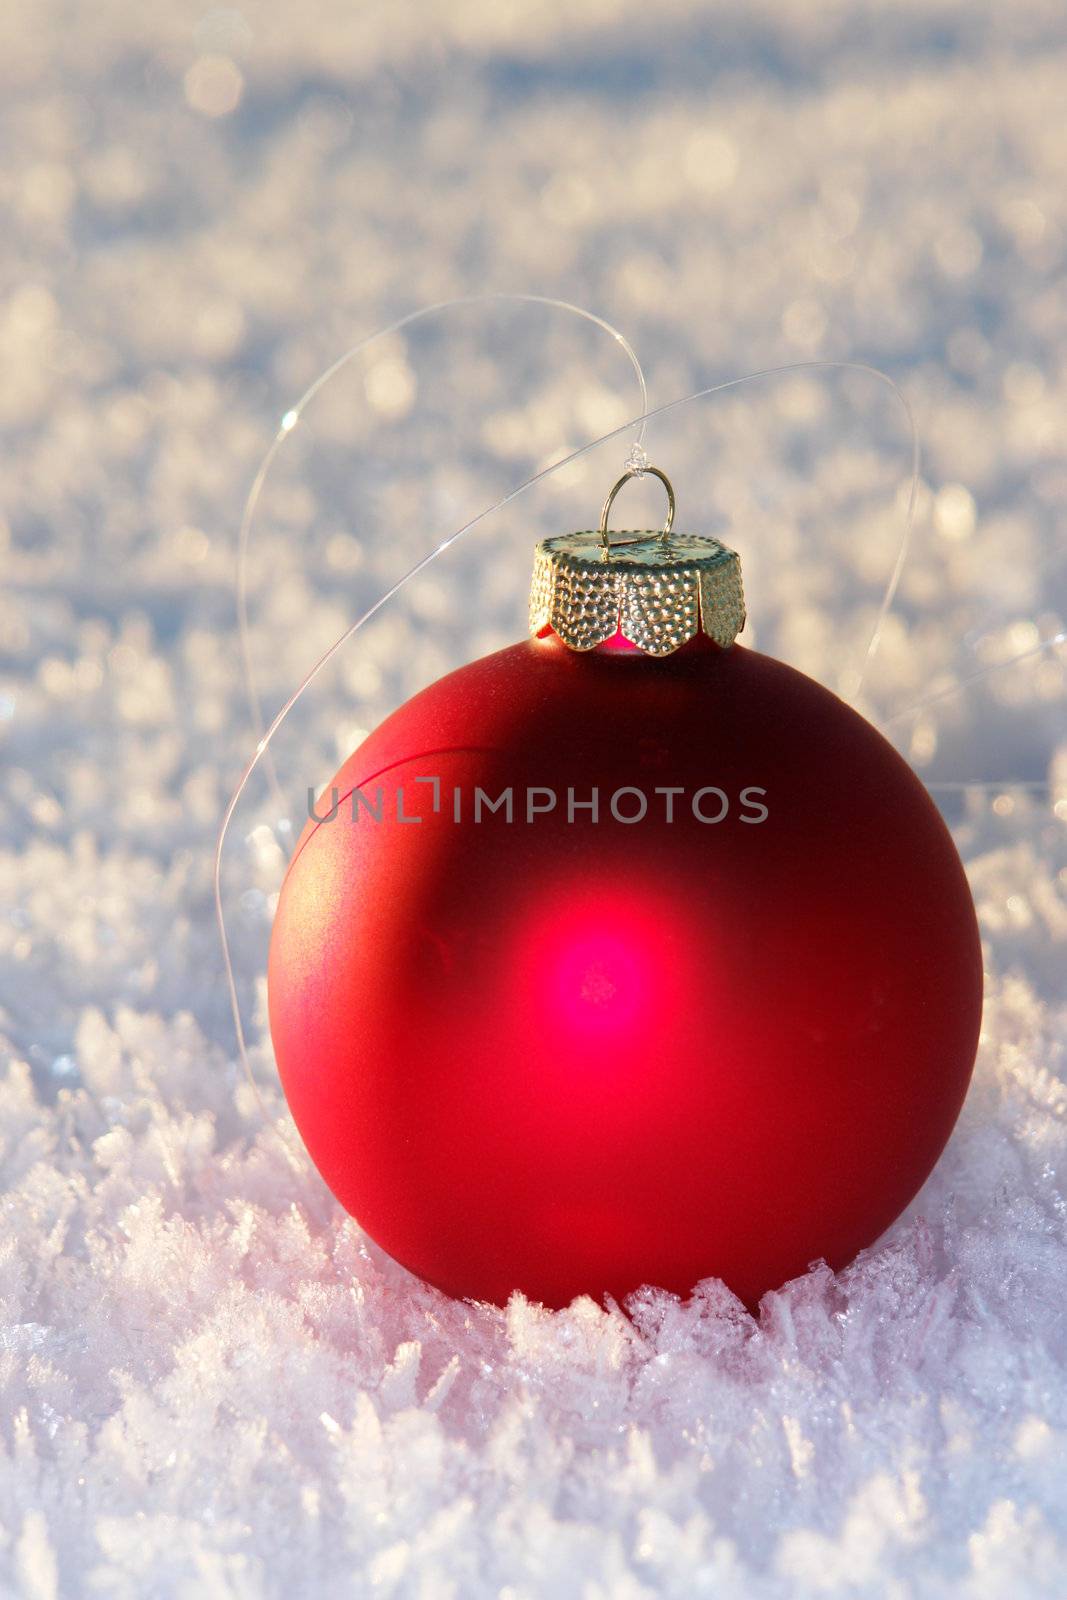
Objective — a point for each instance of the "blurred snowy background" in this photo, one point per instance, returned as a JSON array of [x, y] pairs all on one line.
[[211, 1384]]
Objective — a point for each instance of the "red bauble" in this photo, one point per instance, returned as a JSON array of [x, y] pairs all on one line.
[[577, 1056]]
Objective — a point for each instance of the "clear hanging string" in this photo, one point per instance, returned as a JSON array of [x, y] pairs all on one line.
[[636, 426]]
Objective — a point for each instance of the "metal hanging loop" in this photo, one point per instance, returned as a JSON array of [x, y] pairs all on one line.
[[637, 472]]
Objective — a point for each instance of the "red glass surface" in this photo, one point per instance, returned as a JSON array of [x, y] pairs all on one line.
[[568, 1056]]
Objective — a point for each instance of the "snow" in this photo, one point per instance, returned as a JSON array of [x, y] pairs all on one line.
[[211, 1384]]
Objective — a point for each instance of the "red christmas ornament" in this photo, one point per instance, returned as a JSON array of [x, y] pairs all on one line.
[[619, 966]]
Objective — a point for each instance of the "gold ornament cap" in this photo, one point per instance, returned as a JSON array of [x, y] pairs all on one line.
[[657, 587]]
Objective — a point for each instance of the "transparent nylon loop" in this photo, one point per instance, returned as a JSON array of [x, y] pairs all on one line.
[[638, 422], [289, 421]]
